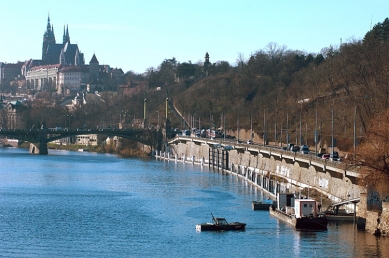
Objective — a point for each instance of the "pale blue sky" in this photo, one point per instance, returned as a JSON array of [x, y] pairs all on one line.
[[138, 34]]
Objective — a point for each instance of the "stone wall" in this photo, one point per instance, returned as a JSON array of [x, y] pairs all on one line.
[[377, 222], [334, 185], [336, 188]]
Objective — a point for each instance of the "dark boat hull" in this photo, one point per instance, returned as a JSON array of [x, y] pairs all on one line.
[[304, 223], [214, 227], [262, 206]]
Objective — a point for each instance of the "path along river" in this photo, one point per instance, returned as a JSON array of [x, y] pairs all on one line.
[[79, 204]]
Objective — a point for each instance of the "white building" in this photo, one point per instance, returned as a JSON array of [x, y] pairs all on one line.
[[86, 139], [72, 78], [42, 77]]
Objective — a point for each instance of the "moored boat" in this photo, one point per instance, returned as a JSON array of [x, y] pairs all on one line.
[[302, 214], [339, 215], [220, 224], [263, 205]]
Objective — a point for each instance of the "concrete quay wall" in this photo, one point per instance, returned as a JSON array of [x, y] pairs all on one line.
[[334, 185], [280, 172]]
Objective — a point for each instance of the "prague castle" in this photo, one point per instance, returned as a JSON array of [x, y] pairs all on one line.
[[61, 69]]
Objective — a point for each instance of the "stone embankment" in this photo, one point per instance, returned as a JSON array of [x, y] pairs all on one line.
[[272, 173]]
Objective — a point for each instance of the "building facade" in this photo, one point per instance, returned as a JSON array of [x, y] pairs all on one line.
[[72, 79], [14, 120], [43, 77], [10, 72]]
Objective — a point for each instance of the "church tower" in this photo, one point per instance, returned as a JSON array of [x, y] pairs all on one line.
[[48, 38], [66, 37], [94, 69]]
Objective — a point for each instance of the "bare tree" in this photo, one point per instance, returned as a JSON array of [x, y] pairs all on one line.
[[373, 153]]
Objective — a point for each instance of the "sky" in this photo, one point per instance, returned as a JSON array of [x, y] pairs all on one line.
[[135, 35]]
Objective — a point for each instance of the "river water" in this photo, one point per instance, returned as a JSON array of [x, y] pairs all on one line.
[[80, 204]]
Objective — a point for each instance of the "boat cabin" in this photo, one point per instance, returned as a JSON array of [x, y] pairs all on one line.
[[305, 208], [285, 200], [219, 221], [298, 207]]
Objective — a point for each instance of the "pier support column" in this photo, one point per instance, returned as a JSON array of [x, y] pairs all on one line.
[[38, 148]]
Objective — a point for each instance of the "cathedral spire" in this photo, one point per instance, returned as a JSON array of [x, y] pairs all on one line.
[[66, 38], [48, 38], [48, 22], [67, 33]]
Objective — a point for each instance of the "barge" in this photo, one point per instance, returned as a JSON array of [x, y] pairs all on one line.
[[302, 214]]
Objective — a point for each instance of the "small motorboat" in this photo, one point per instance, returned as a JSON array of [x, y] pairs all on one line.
[[220, 224]]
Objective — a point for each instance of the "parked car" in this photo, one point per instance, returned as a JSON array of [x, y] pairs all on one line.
[[304, 149], [249, 142], [334, 156], [290, 146], [325, 156], [295, 148]]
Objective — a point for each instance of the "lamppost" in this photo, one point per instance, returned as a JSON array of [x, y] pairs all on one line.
[[286, 136], [308, 188], [355, 130], [333, 142], [301, 111], [237, 123], [158, 119], [321, 198], [316, 134], [264, 128], [287, 131], [251, 126], [224, 126]]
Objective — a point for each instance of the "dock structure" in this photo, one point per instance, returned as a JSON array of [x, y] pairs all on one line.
[[218, 158]]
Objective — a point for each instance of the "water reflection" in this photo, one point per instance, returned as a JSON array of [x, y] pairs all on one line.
[[86, 205]]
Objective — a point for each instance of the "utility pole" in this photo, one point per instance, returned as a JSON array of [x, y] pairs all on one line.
[[332, 149], [316, 134], [251, 126]]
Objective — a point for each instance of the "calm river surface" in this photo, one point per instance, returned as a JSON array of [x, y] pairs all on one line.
[[78, 204]]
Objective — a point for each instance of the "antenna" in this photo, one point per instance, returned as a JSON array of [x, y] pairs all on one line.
[[371, 21]]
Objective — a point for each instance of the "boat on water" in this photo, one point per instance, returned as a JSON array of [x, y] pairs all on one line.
[[263, 205], [340, 215], [302, 214], [220, 224]]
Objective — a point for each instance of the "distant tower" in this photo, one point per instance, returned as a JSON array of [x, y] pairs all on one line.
[[66, 37], [93, 68], [206, 65], [206, 62], [48, 38]]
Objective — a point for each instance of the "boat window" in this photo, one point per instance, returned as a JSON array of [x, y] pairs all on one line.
[[305, 205]]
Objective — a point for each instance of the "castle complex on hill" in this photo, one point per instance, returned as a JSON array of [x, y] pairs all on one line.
[[62, 67]]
